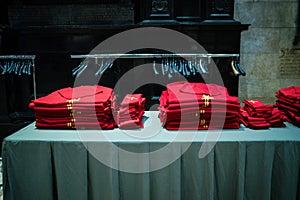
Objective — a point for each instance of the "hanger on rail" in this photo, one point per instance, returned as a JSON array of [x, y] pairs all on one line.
[[101, 67], [169, 65], [236, 68], [18, 65], [174, 66]]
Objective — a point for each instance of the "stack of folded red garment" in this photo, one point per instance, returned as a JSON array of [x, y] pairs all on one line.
[[83, 107], [256, 115], [131, 112], [198, 106], [288, 100]]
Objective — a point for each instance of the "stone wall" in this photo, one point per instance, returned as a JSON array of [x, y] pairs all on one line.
[[267, 52]]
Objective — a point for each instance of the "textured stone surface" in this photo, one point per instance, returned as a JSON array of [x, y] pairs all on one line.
[[262, 89], [286, 37], [243, 89], [289, 82], [257, 65], [260, 40], [289, 64], [267, 14], [272, 31]]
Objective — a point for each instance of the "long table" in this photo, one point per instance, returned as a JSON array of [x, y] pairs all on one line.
[[152, 163]]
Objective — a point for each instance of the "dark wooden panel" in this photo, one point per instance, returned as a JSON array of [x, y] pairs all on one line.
[[77, 31], [188, 11]]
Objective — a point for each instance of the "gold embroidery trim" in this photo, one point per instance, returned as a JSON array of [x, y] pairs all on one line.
[[206, 99], [199, 113], [253, 101], [69, 124], [202, 122], [69, 106], [73, 100], [132, 98]]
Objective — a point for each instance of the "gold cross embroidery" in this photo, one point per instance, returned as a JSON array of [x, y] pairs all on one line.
[[206, 99], [132, 98], [73, 100], [253, 101]]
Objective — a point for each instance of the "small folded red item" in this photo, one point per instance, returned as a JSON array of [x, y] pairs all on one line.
[[252, 122], [131, 112], [257, 108]]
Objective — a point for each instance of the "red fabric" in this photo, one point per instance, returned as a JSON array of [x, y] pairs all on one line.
[[293, 118], [185, 92], [253, 122], [288, 100], [71, 112], [67, 119], [276, 114], [183, 103], [255, 114], [292, 93], [289, 106], [85, 106], [188, 115], [284, 100], [77, 125], [138, 106], [234, 125], [131, 112], [202, 105], [132, 100], [91, 95], [255, 104], [256, 108], [131, 124]]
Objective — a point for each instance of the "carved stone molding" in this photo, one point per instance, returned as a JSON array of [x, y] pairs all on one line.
[[220, 8], [160, 6]]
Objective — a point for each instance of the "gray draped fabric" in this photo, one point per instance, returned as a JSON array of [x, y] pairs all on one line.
[[243, 164]]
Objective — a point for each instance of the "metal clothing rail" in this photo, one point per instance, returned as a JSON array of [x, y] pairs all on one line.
[[153, 55], [185, 68], [24, 57]]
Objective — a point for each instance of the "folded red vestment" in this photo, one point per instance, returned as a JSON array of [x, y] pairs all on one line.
[[131, 112], [91, 95], [257, 108], [252, 122], [183, 104], [185, 92], [84, 106], [291, 94], [288, 100], [77, 125], [192, 126]]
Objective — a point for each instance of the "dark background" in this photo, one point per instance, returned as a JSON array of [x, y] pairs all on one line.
[[54, 29]]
